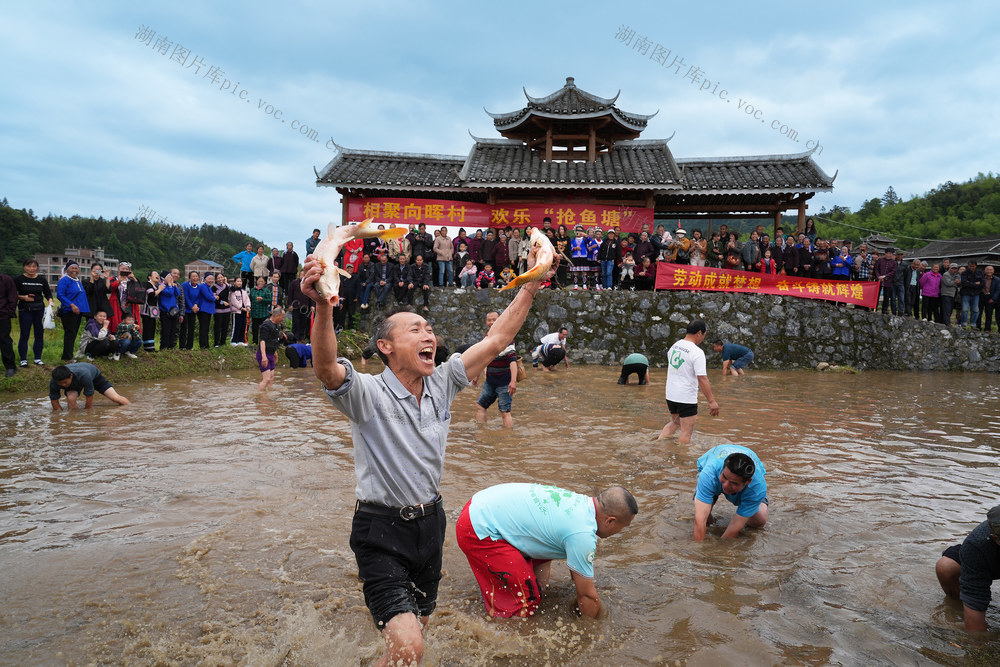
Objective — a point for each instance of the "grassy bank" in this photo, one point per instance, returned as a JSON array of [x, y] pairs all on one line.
[[151, 366]]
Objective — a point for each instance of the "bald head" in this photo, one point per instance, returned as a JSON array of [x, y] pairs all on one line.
[[618, 502]]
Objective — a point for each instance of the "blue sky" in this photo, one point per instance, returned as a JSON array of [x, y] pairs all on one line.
[[97, 122]]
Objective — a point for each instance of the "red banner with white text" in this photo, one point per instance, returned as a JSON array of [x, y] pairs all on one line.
[[449, 213], [684, 276]]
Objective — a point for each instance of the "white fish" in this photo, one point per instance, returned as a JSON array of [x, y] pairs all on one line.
[[328, 249]]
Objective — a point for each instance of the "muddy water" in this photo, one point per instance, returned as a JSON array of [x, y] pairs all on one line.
[[206, 524]]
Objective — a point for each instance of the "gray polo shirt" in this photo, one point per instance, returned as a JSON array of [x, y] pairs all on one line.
[[398, 444]]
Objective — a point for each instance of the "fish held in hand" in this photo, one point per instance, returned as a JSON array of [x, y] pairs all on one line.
[[328, 249], [545, 255]]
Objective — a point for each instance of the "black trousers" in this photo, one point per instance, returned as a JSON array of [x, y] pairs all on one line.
[[913, 301], [204, 326], [187, 330], [255, 326], [300, 324], [932, 308], [6, 343], [222, 328], [168, 331], [240, 327], [148, 333], [101, 348], [71, 326], [947, 307]]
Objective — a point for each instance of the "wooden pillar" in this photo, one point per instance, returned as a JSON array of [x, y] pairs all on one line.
[[777, 223], [592, 145], [800, 225], [343, 209], [548, 145]]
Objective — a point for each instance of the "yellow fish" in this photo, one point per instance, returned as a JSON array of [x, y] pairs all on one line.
[[545, 254], [328, 249]]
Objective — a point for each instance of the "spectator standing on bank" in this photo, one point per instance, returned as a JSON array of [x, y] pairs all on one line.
[[312, 242], [206, 311], [444, 252], [259, 267], [191, 307], [243, 259], [420, 281], [32, 291], [971, 288], [275, 264], [930, 290], [149, 310], [290, 265], [169, 312], [223, 310], [8, 308], [73, 305], [989, 298], [98, 287], [884, 272], [239, 303]]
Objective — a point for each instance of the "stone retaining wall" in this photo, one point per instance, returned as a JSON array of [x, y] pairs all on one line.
[[784, 332]]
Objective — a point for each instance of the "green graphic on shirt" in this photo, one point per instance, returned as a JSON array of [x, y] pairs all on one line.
[[541, 494], [677, 359]]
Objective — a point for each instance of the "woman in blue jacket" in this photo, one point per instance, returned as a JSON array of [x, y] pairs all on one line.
[[206, 310], [73, 305], [169, 312]]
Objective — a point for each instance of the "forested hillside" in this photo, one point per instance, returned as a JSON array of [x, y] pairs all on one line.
[[148, 245], [952, 210]]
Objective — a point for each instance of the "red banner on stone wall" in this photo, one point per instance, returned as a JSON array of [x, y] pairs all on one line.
[[684, 276], [449, 213]]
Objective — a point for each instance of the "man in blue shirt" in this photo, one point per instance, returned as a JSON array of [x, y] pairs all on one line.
[[734, 357], [298, 354], [737, 473], [511, 533], [243, 259], [967, 570]]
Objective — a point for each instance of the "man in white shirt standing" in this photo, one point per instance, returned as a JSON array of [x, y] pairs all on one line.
[[686, 373]]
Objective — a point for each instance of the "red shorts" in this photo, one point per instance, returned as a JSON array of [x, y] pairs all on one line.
[[505, 576]]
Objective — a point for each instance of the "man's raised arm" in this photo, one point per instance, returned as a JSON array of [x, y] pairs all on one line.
[[323, 338]]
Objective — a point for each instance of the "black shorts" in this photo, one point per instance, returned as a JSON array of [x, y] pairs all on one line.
[[399, 562], [639, 370], [954, 552], [682, 410], [293, 358]]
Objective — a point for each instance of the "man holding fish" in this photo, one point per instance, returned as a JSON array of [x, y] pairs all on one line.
[[399, 424]]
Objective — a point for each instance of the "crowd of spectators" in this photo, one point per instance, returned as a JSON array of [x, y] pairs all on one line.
[[119, 312]]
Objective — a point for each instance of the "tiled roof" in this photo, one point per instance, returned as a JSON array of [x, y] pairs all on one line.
[[754, 173], [982, 249], [636, 164], [384, 169], [630, 164], [570, 102]]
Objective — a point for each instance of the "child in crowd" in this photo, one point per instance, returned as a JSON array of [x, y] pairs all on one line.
[[129, 338], [628, 272], [467, 276], [766, 264], [505, 276], [460, 260], [486, 278]]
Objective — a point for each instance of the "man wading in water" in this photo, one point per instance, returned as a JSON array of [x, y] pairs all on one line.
[[399, 426]]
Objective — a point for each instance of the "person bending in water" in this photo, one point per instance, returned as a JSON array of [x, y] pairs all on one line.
[[967, 570], [399, 427], [77, 377], [511, 533], [737, 473], [734, 357]]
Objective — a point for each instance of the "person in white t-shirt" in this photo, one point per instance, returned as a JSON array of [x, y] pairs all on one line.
[[686, 373]]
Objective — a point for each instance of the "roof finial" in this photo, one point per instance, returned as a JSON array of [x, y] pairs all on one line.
[[569, 82]]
